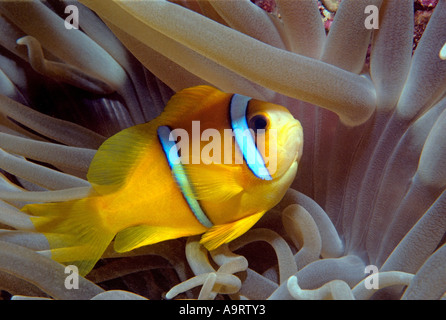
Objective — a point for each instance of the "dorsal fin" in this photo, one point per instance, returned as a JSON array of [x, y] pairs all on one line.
[[190, 100], [118, 156]]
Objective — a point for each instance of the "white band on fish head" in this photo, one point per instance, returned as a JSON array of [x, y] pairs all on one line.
[[246, 143]]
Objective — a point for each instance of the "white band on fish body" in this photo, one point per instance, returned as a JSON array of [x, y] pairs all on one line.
[[173, 159]]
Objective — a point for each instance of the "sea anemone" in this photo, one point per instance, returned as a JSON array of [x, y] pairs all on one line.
[[365, 217]]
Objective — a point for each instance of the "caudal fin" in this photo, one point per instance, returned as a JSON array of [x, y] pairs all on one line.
[[74, 231]]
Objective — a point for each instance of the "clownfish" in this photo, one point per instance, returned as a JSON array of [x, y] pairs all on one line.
[[154, 181]]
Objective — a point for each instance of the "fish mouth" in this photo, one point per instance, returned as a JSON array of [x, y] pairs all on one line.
[[290, 148], [294, 132]]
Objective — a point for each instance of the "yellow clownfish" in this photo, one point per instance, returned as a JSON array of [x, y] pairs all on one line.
[[145, 190]]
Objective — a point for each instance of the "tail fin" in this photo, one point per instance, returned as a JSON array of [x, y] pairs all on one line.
[[74, 231]]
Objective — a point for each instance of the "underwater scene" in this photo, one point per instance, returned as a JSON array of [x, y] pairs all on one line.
[[223, 150]]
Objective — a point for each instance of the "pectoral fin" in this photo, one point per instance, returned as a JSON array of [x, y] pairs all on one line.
[[214, 182], [224, 233]]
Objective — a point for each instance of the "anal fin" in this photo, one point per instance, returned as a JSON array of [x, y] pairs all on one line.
[[224, 233]]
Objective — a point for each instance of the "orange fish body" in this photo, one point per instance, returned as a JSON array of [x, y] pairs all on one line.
[[141, 196]]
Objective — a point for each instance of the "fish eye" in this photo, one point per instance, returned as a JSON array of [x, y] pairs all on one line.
[[259, 122]]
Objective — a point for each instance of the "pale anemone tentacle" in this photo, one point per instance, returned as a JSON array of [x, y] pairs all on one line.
[[7, 86], [93, 58], [424, 75], [157, 63], [43, 272], [58, 130], [398, 174], [60, 71], [429, 77], [442, 53], [287, 265], [229, 282], [11, 216], [171, 251], [40, 175], [65, 156], [349, 269], [17, 286], [211, 288], [348, 39], [249, 19], [301, 22], [295, 80], [381, 55], [366, 288], [9, 35], [206, 292], [94, 61], [213, 281], [193, 71], [409, 107], [27, 298], [205, 8], [430, 281], [6, 185], [123, 267], [15, 81], [304, 233], [106, 295], [197, 257], [98, 31], [47, 196], [390, 61], [333, 290], [256, 286], [332, 245], [391, 53], [229, 263], [31, 240], [428, 182], [420, 241], [197, 66], [117, 295], [233, 263]]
